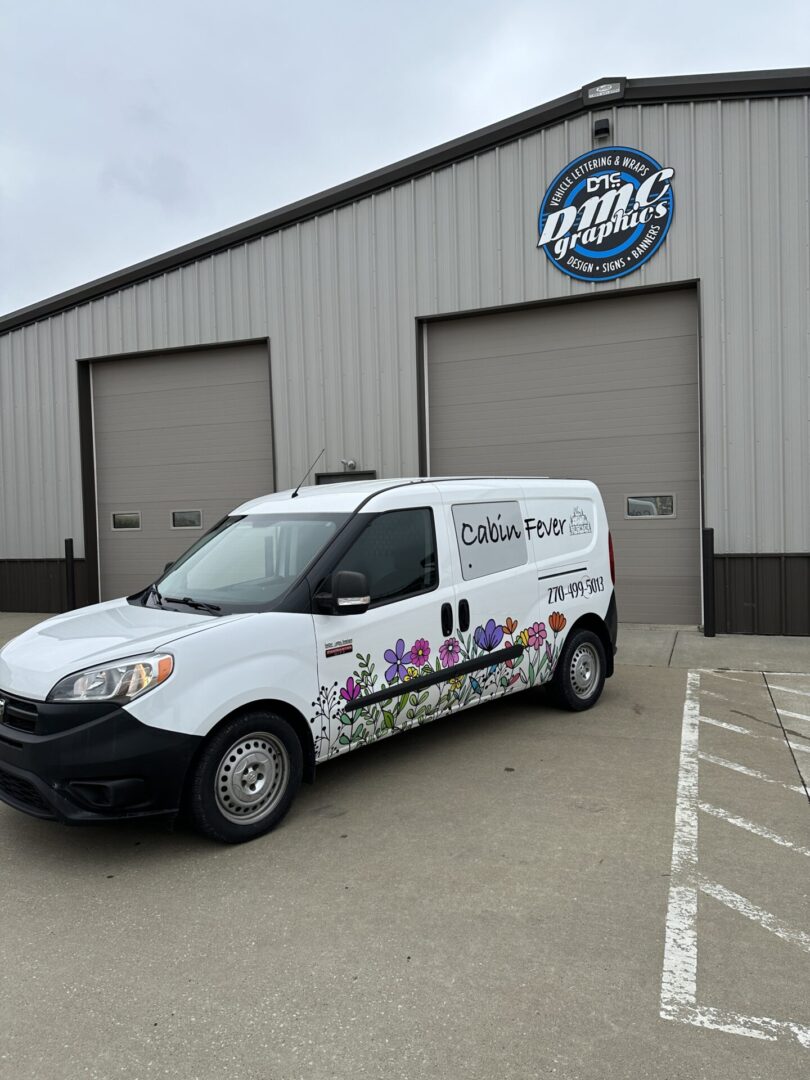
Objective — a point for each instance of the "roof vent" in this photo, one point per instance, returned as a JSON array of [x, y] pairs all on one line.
[[603, 90]]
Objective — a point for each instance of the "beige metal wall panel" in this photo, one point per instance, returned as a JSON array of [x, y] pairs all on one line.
[[340, 294]]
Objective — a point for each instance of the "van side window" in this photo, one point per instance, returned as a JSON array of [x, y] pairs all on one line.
[[397, 553]]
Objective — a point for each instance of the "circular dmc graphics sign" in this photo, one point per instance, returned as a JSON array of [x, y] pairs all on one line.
[[606, 213]]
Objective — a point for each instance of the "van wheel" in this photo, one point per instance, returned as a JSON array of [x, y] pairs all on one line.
[[580, 673], [246, 778]]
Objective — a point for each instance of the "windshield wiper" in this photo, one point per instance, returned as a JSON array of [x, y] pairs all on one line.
[[199, 604]]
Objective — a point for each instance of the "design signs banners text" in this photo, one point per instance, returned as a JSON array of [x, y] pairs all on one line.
[[606, 213]]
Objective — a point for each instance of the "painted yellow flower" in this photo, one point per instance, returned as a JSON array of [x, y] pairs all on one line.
[[457, 682], [411, 673], [523, 638]]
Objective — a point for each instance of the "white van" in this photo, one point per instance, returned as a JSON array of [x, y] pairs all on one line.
[[304, 625]]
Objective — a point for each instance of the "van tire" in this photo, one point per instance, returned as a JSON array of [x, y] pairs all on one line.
[[245, 778], [580, 673]]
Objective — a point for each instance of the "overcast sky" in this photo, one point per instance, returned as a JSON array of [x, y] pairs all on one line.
[[129, 127]]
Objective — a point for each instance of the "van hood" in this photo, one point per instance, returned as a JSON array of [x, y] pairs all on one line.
[[32, 664]]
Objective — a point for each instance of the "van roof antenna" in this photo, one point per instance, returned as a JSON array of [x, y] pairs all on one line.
[[309, 470]]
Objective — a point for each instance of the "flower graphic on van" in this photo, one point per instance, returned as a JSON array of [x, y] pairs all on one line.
[[450, 652], [536, 635], [488, 637], [509, 627], [351, 691], [411, 673], [398, 660], [556, 621], [420, 652]]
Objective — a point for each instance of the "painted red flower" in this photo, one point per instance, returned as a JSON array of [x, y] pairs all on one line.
[[557, 621]]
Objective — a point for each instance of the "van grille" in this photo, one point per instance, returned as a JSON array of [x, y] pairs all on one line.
[[19, 714], [23, 793]]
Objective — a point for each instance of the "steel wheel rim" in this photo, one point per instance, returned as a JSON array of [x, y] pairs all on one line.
[[584, 670], [251, 778]]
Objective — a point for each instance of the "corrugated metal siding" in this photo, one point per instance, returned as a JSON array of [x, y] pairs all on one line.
[[338, 296]]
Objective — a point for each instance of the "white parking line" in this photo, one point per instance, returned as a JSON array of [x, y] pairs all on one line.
[[787, 689], [679, 975], [757, 830], [739, 730], [794, 715], [750, 772], [756, 914]]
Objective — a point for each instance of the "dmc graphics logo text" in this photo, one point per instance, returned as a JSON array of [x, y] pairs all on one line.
[[606, 213]]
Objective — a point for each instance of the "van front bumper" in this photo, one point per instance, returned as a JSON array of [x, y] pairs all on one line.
[[89, 761]]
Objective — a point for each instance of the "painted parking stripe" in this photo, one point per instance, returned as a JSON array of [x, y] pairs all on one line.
[[678, 1000], [788, 689], [749, 772], [750, 826], [756, 914], [679, 978], [794, 715], [739, 730]]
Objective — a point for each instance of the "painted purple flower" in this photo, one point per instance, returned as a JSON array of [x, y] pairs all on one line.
[[537, 635], [398, 659], [488, 637], [549, 652], [351, 690], [449, 652], [420, 652]]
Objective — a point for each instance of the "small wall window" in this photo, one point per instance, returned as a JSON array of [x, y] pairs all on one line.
[[650, 506], [186, 519], [126, 519]]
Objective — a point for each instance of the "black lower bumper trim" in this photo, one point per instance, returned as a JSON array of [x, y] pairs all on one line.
[[109, 768]]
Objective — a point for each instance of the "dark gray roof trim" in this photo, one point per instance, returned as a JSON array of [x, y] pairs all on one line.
[[788, 81]]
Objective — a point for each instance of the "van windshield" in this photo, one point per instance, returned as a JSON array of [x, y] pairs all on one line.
[[246, 563]]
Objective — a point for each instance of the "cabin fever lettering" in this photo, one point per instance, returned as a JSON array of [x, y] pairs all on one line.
[[494, 532]]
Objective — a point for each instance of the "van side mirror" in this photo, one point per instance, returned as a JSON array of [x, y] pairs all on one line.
[[349, 596]]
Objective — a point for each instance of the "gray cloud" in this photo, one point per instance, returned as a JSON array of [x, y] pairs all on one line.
[[128, 129]]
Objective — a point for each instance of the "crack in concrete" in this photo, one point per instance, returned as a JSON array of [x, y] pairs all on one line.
[[787, 740]]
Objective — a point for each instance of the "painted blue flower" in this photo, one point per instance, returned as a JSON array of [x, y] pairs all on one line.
[[488, 637], [399, 660]]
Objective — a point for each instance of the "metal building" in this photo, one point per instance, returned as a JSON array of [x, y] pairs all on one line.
[[613, 285]]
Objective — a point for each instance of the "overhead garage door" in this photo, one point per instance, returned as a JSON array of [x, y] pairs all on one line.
[[603, 389], [180, 439]]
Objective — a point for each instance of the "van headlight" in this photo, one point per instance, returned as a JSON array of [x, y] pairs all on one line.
[[119, 681]]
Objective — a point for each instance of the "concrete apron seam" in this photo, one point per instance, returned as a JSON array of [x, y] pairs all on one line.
[[787, 740]]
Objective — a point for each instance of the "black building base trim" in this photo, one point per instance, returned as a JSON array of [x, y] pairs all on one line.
[[40, 585], [762, 594]]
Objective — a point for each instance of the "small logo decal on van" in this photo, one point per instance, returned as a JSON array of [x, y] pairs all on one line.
[[338, 648], [579, 523]]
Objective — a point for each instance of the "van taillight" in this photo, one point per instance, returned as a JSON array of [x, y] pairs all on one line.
[[612, 559]]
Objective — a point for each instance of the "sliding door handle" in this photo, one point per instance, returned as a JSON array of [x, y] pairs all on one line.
[[463, 616], [447, 619]]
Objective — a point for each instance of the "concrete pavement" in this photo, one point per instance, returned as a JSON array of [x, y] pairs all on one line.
[[487, 897]]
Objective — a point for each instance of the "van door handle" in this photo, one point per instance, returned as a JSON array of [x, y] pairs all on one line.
[[463, 616], [447, 619]]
